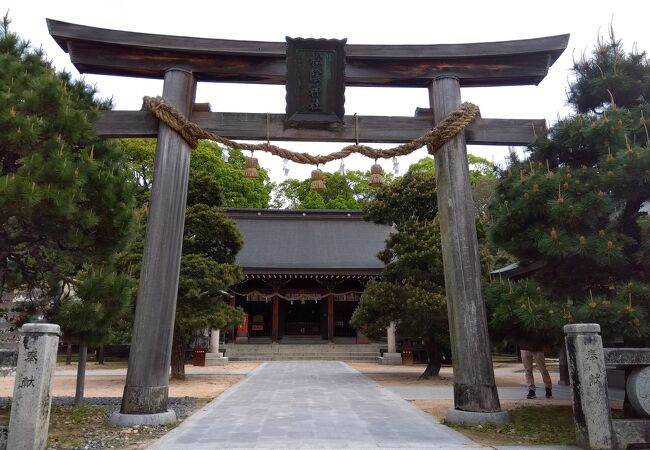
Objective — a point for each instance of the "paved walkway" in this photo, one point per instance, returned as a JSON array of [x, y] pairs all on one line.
[[310, 404]]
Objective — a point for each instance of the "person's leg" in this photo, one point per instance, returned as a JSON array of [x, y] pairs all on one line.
[[527, 360], [540, 361]]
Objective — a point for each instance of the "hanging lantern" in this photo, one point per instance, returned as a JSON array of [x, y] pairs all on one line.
[[376, 176], [252, 167], [317, 180]]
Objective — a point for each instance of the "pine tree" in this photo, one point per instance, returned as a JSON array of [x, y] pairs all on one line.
[[66, 198], [411, 290], [211, 241], [573, 206]]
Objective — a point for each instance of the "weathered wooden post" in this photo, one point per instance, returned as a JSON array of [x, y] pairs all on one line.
[[147, 380], [584, 349], [30, 406], [475, 394]]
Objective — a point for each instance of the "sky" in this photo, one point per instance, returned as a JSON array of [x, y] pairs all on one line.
[[361, 22]]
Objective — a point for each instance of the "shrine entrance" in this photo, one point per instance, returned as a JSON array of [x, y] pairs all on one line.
[[302, 318], [315, 73]]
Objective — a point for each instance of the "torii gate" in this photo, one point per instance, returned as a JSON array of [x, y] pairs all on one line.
[[182, 61]]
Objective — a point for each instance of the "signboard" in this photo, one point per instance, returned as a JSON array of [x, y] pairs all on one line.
[[315, 81]]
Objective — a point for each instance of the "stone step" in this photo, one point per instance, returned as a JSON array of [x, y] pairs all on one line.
[[333, 357], [298, 348], [300, 351], [302, 358], [333, 354]]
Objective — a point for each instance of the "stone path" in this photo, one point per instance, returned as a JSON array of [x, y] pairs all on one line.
[[310, 404]]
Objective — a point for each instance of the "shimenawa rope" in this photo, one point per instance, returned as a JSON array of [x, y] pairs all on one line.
[[434, 139]]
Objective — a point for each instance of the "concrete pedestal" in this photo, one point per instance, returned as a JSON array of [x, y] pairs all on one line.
[[391, 359], [477, 418], [127, 420], [215, 359]]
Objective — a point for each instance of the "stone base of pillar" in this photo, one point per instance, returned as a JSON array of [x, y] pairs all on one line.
[[215, 359], [241, 340], [477, 418], [391, 359], [127, 420]]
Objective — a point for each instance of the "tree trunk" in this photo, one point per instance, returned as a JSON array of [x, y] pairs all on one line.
[[81, 374], [434, 359], [68, 356], [178, 355], [100, 355]]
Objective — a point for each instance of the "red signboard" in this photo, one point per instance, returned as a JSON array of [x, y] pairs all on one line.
[[242, 330]]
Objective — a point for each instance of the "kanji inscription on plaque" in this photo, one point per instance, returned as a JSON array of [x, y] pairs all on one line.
[[315, 81]]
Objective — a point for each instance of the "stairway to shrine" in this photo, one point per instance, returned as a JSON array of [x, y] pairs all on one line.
[[303, 352]]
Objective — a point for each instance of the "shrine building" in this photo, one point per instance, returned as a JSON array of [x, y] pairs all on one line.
[[304, 273]]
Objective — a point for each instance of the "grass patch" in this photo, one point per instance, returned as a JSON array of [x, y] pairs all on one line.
[[530, 425], [73, 427]]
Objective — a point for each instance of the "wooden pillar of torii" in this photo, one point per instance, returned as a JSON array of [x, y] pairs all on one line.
[[443, 69]]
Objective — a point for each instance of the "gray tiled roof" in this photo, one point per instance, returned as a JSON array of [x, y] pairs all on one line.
[[310, 241]]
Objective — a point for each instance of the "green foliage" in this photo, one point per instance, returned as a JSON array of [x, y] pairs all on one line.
[[100, 298], [66, 198], [413, 256], [610, 74], [139, 157], [412, 196], [236, 191], [574, 203], [411, 290], [417, 312], [199, 300], [347, 191], [479, 168]]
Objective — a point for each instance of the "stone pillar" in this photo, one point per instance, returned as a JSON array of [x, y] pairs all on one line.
[[147, 380], [587, 373], [30, 407], [474, 386], [391, 357], [215, 357], [214, 340], [390, 335]]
